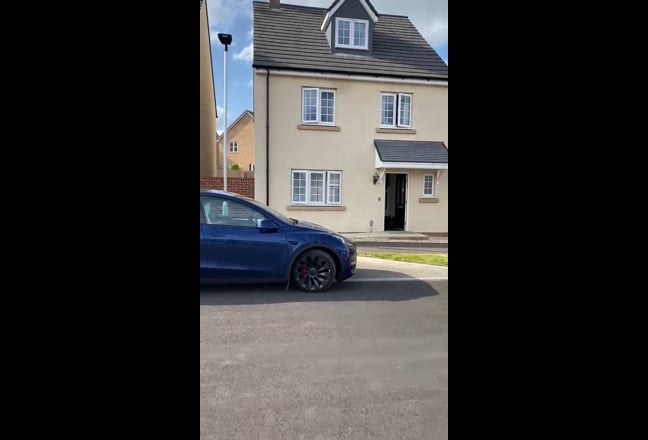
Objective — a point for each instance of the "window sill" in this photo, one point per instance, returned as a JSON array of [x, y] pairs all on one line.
[[428, 200], [396, 130], [349, 46], [344, 46], [318, 127], [316, 208]]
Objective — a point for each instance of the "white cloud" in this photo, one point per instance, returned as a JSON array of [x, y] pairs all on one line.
[[250, 83], [250, 34], [435, 32], [316, 3], [220, 122], [223, 13], [246, 53]]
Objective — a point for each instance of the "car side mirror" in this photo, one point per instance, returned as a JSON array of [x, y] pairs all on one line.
[[267, 225]]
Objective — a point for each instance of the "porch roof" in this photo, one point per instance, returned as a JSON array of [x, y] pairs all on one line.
[[411, 154]]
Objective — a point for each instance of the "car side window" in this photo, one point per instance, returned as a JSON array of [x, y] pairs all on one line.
[[223, 212]]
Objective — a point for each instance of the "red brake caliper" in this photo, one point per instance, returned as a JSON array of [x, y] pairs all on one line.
[[303, 270]]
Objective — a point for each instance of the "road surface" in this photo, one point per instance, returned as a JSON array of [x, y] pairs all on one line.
[[366, 360]]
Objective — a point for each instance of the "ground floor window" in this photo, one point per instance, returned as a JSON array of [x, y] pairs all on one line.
[[316, 187], [428, 185]]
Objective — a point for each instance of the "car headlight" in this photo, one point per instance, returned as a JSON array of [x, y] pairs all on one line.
[[348, 243]]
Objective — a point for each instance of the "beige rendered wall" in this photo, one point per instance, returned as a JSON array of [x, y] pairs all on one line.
[[349, 150], [207, 104], [421, 215], [243, 134]]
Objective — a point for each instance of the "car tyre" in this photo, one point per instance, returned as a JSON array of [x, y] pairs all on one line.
[[313, 271]]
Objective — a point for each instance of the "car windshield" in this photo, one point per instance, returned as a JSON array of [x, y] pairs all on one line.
[[277, 214]]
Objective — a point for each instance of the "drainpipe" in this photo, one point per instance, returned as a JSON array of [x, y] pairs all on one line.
[[268, 137]]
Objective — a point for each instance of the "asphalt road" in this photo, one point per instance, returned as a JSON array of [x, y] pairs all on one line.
[[367, 360]]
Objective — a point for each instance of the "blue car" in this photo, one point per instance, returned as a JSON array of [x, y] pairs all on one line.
[[242, 240]]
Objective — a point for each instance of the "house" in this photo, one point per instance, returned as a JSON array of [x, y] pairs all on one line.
[[240, 139], [208, 114], [352, 118]]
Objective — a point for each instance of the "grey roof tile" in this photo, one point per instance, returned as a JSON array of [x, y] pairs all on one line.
[[338, 1], [411, 151], [290, 38]]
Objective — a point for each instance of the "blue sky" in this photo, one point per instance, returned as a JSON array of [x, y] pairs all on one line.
[[235, 17]]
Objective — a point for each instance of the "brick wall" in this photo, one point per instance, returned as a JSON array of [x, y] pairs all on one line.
[[239, 185]]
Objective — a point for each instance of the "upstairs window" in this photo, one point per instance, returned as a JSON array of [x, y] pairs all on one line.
[[396, 110], [351, 34], [318, 106], [233, 147]]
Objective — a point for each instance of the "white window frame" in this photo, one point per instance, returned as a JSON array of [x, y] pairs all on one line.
[[251, 167], [309, 187], [234, 145], [327, 187], [318, 105], [352, 23], [395, 115], [433, 193], [292, 187], [397, 110]]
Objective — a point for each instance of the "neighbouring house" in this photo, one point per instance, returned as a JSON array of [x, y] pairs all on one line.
[[208, 114], [240, 140], [351, 110]]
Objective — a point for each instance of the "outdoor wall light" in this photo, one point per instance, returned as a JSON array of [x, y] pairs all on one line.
[[375, 178]]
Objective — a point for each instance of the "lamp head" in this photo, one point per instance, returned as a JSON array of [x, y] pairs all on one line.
[[225, 39]]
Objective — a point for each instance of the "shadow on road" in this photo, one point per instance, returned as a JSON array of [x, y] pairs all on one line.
[[361, 290]]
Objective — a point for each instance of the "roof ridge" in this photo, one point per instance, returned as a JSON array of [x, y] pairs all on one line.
[[236, 121], [263, 2]]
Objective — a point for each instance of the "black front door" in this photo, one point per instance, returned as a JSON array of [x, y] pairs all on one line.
[[395, 201], [401, 201]]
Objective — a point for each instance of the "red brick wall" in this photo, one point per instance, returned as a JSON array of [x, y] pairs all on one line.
[[240, 185]]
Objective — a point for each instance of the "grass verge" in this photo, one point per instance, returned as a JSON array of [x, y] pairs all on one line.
[[432, 259]]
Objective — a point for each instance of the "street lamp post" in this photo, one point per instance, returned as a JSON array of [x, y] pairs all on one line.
[[226, 40]]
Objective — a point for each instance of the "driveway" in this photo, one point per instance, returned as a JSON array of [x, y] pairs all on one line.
[[367, 360]]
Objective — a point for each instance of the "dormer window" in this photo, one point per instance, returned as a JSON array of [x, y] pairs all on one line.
[[351, 34]]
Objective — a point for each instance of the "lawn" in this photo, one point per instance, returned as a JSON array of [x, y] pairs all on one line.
[[433, 259]]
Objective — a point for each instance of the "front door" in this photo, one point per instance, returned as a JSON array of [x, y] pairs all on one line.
[[395, 201]]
